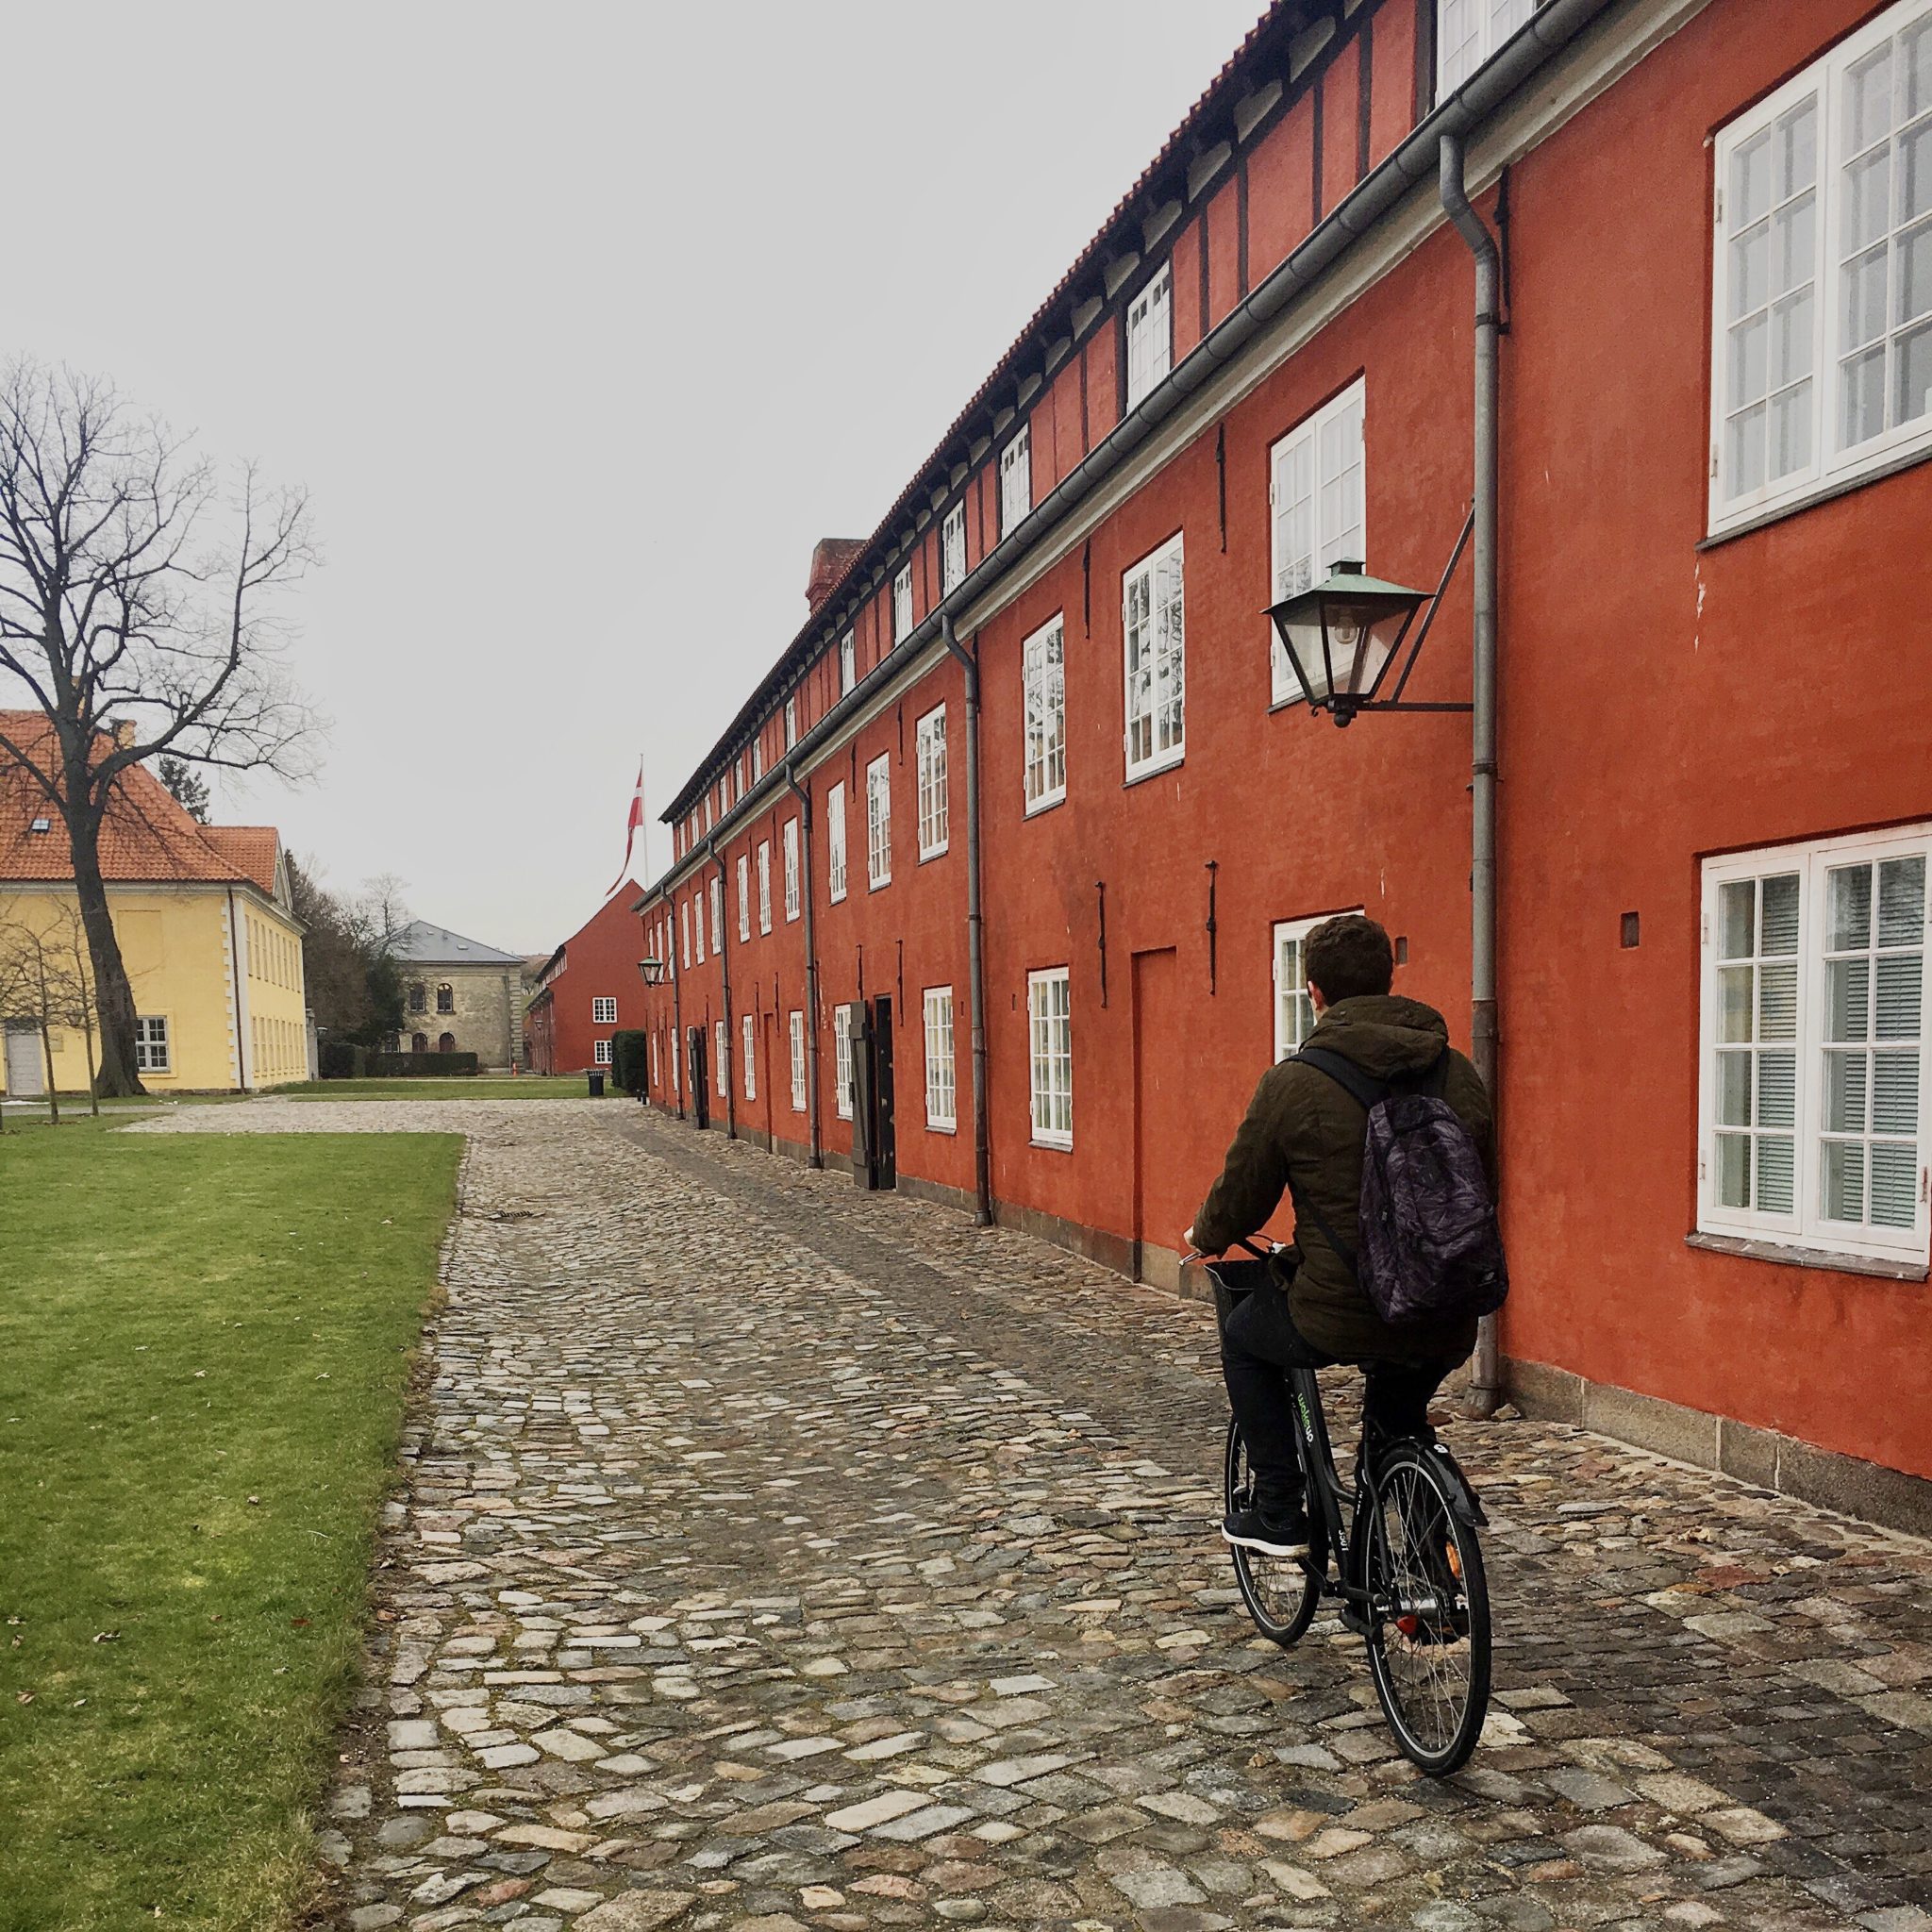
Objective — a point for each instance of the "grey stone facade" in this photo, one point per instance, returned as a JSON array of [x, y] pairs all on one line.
[[461, 996]]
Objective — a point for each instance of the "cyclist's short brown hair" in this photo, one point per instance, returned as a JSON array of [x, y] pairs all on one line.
[[1348, 956]]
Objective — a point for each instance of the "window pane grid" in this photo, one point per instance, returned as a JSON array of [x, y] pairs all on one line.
[[765, 884], [932, 784], [1317, 487], [941, 1087], [751, 1072], [1044, 699], [835, 842], [953, 547], [1150, 335], [878, 824], [842, 1062], [792, 869], [1016, 481], [1050, 1028], [796, 1022], [1156, 652]]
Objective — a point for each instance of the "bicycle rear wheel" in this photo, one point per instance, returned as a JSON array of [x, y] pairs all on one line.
[[1281, 1592], [1429, 1612]]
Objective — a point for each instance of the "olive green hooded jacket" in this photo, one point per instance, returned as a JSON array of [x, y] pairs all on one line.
[[1302, 1124]]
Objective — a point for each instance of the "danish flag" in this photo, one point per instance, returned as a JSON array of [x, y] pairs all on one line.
[[632, 827]]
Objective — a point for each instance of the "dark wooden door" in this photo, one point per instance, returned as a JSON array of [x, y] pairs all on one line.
[[700, 1086]]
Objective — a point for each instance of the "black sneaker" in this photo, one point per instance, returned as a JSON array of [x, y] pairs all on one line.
[[1285, 1535]]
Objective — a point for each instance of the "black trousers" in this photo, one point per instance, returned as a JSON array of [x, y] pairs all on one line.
[[1258, 1341]]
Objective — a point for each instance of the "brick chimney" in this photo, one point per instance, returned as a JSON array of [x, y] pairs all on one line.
[[829, 558]]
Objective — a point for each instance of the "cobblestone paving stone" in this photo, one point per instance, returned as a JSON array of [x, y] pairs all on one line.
[[775, 1556]]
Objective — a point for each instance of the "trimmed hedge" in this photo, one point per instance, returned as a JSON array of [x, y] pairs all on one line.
[[342, 1060], [419, 1066], [631, 1060]]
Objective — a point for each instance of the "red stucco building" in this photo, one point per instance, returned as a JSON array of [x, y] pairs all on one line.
[[1713, 761], [586, 990]]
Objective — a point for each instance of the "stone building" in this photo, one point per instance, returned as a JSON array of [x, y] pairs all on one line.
[[460, 996]]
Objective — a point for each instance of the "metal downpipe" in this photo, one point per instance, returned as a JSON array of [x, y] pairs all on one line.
[[1486, 1381], [722, 1075], [817, 1154], [975, 928]]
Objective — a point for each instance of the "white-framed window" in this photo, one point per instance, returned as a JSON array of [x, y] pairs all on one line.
[[1043, 710], [743, 896], [952, 548], [1016, 481], [721, 1060], [151, 1054], [758, 759], [930, 739], [1822, 277], [1150, 335], [790, 838], [902, 605], [717, 915], [697, 921], [653, 1042], [942, 1075], [684, 925], [1316, 502], [1050, 1037], [1468, 32], [1155, 653], [878, 824], [791, 723], [1812, 1092], [835, 842], [1294, 1013], [749, 1029], [765, 884], [600, 1053], [603, 1011], [848, 662], [842, 1060], [797, 1022], [704, 814]]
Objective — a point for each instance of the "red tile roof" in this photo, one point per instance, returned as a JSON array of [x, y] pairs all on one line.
[[146, 837]]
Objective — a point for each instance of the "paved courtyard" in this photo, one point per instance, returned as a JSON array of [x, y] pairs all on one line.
[[771, 1554]]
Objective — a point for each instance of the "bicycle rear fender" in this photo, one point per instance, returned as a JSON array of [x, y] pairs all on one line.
[[1458, 1485]]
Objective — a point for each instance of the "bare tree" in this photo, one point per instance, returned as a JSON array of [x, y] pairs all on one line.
[[138, 615], [43, 978]]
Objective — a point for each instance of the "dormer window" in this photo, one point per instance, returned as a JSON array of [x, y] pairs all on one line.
[[42, 825]]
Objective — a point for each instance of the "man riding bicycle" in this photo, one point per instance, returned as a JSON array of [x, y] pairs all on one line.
[[1304, 1132]]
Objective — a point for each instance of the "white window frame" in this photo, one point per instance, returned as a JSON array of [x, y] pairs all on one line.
[[721, 1059], [902, 605], [835, 842], [744, 897], [652, 1043], [879, 823], [1154, 633], [684, 923], [748, 1026], [1806, 1227], [1468, 32], [717, 915], [602, 1011], [935, 816], [1016, 479], [941, 1064], [841, 1062], [1149, 334], [1043, 715], [953, 548], [1735, 219], [758, 759], [1288, 975], [152, 1048], [791, 844], [600, 1053], [795, 1022], [791, 723], [765, 884], [1317, 510], [698, 929], [848, 662], [1050, 1056]]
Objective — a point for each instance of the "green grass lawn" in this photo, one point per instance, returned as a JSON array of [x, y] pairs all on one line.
[[498, 1087], [203, 1347]]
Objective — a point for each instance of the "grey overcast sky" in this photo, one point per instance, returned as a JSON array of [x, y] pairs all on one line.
[[581, 323]]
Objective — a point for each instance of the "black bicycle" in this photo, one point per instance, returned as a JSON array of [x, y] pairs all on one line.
[[1396, 1549]]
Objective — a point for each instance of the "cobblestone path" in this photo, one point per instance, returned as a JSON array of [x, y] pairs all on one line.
[[772, 1556]]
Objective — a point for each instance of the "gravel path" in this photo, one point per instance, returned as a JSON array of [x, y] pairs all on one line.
[[772, 1554]]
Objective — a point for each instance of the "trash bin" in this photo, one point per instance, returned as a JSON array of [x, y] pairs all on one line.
[[596, 1084]]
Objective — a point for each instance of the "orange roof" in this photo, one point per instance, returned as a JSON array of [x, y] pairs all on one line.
[[145, 836]]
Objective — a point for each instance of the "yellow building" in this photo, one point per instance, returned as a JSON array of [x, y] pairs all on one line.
[[201, 914]]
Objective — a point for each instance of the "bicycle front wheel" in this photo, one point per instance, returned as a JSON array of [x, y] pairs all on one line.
[[1428, 1612], [1281, 1592]]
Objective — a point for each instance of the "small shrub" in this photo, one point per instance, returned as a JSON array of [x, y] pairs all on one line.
[[342, 1060], [419, 1066], [631, 1060]]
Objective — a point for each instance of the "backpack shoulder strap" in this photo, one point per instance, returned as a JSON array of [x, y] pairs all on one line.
[[1363, 1088]]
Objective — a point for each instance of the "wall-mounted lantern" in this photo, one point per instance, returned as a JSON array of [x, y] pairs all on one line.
[[653, 971]]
